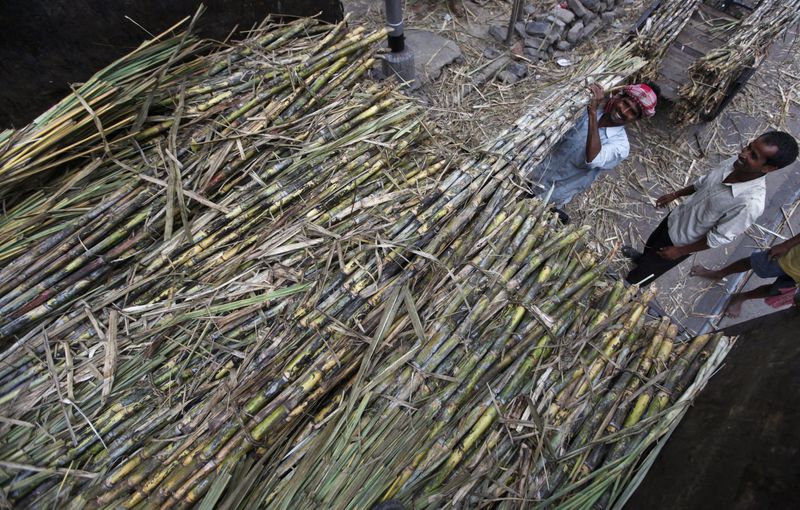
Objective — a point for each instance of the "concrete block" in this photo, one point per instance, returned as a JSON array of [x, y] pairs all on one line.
[[507, 77], [532, 54], [592, 5], [432, 53], [491, 53], [518, 69], [538, 28], [498, 33], [590, 29], [558, 26], [574, 33], [565, 15], [535, 42], [577, 7]]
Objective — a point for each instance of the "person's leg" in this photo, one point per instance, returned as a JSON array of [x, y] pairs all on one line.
[[651, 265], [783, 281], [758, 261], [740, 266], [734, 307]]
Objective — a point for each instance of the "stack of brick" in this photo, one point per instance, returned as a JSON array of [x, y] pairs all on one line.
[[555, 33]]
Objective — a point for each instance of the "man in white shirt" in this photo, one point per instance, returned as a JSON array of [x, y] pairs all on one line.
[[722, 205], [597, 143]]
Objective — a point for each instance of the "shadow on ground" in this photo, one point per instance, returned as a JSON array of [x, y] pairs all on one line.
[[737, 448]]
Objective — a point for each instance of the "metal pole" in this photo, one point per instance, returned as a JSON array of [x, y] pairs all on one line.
[[516, 10], [400, 61], [394, 20]]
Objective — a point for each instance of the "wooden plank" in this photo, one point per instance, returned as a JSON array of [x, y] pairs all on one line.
[[711, 31], [673, 72], [694, 37], [683, 57], [713, 13], [690, 51], [700, 35]]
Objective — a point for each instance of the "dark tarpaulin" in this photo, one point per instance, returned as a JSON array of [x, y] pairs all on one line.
[[47, 44]]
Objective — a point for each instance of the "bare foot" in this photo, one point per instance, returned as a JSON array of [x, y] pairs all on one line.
[[704, 272], [734, 307]]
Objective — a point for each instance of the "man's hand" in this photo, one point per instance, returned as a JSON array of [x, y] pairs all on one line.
[[671, 252], [663, 200], [779, 250], [597, 95]]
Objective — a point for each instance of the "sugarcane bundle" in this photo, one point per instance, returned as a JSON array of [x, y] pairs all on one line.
[[712, 75], [330, 173], [33, 291], [469, 424], [218, 88], [50, 245], [492, 293], [534, 134], [659, 30]]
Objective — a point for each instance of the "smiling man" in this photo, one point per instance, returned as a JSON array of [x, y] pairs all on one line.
[[597, 143], [722, 204]]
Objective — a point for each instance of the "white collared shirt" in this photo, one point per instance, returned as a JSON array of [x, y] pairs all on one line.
[[717, 211]]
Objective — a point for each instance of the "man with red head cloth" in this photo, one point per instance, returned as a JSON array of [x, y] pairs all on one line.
[[597, 143]]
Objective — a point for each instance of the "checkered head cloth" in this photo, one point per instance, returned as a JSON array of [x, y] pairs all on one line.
[[643, 95]]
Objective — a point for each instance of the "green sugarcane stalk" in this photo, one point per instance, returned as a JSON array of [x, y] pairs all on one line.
[[699, 360], [485, 417]]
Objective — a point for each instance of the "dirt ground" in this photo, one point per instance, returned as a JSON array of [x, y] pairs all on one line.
[[664, 156]]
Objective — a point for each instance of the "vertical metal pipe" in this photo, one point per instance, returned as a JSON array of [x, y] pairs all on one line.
[[516, 11], [394, 20]]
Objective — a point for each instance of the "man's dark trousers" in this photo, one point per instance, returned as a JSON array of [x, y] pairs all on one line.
[[650, 262]]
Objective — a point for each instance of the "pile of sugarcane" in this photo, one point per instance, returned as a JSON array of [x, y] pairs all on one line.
[[228, 123], [279, 186], [100, 114], [275, 298], [712, 75], [497, 402], [660, 29]]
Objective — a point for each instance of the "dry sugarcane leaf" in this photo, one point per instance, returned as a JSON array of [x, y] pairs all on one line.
[[111, 354]]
